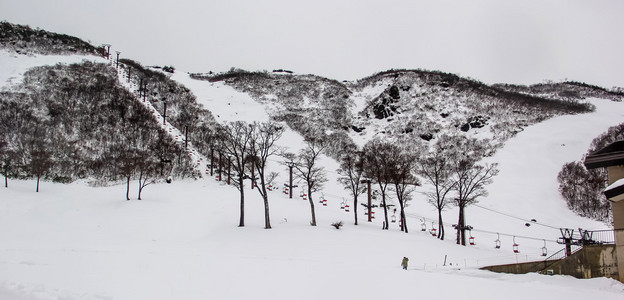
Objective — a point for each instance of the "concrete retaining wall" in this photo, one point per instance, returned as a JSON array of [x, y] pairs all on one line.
[[590, 262]]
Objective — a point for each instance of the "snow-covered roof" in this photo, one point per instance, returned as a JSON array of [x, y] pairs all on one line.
[[615, 191], [611, 155]]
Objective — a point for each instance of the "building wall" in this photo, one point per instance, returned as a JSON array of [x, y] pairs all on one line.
[[592, 261], [615, 173], [617, 208]]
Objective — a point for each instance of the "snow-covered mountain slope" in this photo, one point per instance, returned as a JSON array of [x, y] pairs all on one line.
[[181, 242]]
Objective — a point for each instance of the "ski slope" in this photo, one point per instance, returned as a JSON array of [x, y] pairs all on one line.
[[182, 241]]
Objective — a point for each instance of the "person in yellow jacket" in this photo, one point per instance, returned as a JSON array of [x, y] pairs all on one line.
[[404, 263]]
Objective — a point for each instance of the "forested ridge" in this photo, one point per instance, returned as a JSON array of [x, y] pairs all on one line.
[[69, 122]]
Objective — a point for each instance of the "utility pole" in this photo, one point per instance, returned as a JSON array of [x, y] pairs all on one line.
[[290, 188], [117, 64], [143, 89], [566, 236], [107, 50], [165, 114], [369, 206]]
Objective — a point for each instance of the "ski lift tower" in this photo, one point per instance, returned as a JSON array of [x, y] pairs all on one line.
[[612, 158]]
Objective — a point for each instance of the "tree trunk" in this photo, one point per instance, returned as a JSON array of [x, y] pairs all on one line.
[[140, 185], [241, 222], [461, 231], [128, 188], [355, 199], [383, 199], [267, 220], [38, 183], [440, 225], [6, 181], [265, 197], [403, 220], [313, 223]]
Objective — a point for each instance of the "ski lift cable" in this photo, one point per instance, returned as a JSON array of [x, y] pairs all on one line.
[[483, 231], [519, 218]]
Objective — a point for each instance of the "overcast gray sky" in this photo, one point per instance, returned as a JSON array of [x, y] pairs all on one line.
[[491, 40]]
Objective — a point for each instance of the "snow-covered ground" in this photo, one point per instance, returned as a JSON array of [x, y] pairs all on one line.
[[182, 241]]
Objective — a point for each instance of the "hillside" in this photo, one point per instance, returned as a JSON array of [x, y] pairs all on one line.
[[396, 104], [78, 241], [25, 40]]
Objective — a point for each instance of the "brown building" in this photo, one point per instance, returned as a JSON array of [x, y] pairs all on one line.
[[612, 158]]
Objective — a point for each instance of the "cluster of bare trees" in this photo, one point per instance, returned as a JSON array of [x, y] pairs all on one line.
[[583, 189], [450, 168], [247, 148]]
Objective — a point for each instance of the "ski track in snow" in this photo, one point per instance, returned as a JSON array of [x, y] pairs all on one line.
[[181, 242]]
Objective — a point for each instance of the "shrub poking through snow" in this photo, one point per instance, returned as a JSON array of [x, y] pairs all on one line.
[[337, 224]]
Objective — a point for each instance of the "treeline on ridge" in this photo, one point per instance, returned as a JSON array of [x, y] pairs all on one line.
[[68, 122], [25, 40]]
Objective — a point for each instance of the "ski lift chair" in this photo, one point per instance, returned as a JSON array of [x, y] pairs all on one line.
[[433, 230], [544, 249], [515, 246], [497, 242]]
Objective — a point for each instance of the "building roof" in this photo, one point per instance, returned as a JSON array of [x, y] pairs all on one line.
[[615, 191], [611, 155]]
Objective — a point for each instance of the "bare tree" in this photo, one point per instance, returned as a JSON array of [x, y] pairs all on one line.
[[147, 169], [39, 152], [236, 142], [399, 164], [435, 168], [263, 138], [352, 172], [307, 169], [469, 177], [126, 166], [7, 156], [377, 156], [40, 163]]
